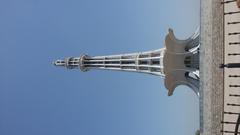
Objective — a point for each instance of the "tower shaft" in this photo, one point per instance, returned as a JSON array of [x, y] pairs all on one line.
[[150, 62]]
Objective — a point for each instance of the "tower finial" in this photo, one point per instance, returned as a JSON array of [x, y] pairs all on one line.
[[59, 63]]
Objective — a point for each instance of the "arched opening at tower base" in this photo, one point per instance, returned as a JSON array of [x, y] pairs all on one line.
[[181, 62]]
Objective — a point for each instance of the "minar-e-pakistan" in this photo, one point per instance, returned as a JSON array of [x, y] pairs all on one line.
[[177, 62]]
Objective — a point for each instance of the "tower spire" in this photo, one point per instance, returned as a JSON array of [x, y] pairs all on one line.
[[150, 62]]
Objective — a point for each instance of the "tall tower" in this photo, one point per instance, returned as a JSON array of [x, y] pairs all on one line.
[[177, 62]]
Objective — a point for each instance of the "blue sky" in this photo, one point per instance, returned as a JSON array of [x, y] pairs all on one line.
[[37, 98]]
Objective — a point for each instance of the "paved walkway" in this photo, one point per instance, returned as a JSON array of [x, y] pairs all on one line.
[[231, 75], [220, 87]]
